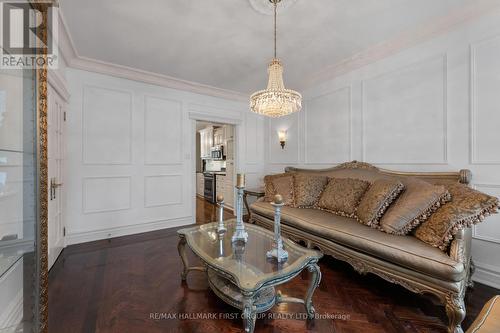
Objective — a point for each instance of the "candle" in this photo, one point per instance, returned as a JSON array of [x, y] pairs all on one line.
[[240, 180]]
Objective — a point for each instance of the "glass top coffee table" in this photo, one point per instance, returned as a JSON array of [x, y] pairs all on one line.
[[241, 274]]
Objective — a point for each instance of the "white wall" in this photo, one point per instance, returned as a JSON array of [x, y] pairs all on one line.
[[435, 106], [130, 154]]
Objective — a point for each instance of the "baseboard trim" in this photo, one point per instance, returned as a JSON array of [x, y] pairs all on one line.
[[90, 236], [487, 274]]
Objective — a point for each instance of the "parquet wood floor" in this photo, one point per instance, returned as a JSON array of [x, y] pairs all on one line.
[[132, 284]]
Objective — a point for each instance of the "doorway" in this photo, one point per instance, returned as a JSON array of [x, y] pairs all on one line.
[[55, 132], [215, 169]]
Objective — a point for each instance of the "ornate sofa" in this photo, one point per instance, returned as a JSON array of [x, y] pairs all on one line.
[[403, 260]]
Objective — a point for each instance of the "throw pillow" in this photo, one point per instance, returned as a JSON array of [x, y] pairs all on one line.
[[419, 200], [467, 207], [279, 184], [377, 199], [307, 189], [342, 195]]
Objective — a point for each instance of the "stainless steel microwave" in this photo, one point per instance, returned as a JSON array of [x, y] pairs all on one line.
[[217, 153]]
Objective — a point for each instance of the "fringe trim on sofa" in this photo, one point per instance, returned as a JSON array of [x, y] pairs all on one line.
[[466, 223], [444, 198], [375, 221]]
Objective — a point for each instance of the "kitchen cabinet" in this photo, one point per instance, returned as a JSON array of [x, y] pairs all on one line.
[[200, 184], [206, 141], [219, 136], [225, 185]]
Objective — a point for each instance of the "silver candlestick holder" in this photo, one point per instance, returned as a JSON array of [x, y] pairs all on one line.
[[220, 207], [277, 251], [239, 233]]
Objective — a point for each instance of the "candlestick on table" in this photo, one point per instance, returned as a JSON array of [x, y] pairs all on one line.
[[239, 233], [220, 204], [277, 251]]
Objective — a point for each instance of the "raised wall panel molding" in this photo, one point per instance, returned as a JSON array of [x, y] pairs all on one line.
[[399, 141], [252, 139], [493, 189], [329, 118], [106, 126], [103, 197], [491, 49], [165, 148], [170, 184]]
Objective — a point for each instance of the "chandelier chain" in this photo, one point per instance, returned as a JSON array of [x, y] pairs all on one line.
[[275, 29]]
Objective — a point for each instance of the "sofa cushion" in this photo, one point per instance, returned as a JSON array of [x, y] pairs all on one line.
[[279, 184], [467, 207], [405, 251], [417, 202], [377, 199], [307, 189], [342, 195]]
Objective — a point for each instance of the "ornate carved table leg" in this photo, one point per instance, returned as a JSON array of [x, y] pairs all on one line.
[[249, 312], [181, 247], [455, 309], [316, 279]]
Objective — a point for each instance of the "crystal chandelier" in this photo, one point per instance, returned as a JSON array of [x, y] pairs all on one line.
[[275, 101]]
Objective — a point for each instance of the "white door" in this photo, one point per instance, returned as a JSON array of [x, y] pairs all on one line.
[[55, 131]]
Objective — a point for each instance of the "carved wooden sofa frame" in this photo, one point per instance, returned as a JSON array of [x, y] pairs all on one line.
[[460, 250]]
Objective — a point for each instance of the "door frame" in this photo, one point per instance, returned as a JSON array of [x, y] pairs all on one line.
[[55, 92], [199, 116]]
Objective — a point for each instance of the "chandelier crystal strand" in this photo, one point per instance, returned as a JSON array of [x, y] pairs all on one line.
[[276, 100]]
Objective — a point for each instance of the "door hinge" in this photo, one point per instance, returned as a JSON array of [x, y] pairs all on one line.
[[64, 231], [64, 115]]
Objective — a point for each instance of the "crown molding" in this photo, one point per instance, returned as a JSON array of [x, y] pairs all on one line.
[[74, 60], [404, 40]]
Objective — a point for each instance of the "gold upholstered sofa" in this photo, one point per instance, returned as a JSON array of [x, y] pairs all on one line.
[[404, 260]]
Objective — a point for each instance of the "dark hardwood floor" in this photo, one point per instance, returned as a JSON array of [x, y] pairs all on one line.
[[206, 212], [132, 284]]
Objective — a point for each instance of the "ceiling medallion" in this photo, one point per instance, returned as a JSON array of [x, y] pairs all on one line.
[[276, 100], [267, 7]]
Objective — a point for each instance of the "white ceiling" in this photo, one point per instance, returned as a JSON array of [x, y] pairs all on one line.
[[227, 43]]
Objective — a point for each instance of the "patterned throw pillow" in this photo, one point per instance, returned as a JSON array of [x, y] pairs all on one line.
[[377, 199], [415, 205], [307, 189], [342, 195], [279, 184], [467, 207]]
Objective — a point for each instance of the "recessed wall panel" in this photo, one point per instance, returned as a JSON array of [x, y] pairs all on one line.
[[162, 190], [162, 131], [488, 230], [104, 194], [404, 115], [486, 101], [328, 128], [107, 126]]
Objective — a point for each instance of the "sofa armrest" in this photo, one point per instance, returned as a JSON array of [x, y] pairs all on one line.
[[460, 248], [257, 193]]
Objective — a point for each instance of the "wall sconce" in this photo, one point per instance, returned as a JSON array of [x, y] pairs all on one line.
[[282, 138]]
